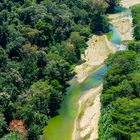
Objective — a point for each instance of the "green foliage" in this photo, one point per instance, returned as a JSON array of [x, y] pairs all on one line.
[[120, 111], [135, 46], [13, 136], [3, 58], [34, 132], [126, 117], [136, 21], [41, 98], [40, 42], [3, 124], [121, 64], [10, 136], [78, 42], [112, 4], [99, 21], [120, 98]]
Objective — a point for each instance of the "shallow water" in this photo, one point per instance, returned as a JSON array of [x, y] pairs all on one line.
[[61, 126], [116, 37]]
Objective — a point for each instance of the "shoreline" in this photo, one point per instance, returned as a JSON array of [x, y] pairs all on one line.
[[123, 24], [124, 27], [81, 120], [100, 46], [95, 54]]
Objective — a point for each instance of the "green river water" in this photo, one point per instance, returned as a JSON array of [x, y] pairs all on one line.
[[61, 126]]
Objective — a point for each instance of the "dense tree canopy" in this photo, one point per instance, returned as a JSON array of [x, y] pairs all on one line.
[[40, 42], [112, 4], [120, 112], [136, 21]]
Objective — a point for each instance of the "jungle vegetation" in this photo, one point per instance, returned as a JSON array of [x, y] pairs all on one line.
[[120, 111], [40, 43]]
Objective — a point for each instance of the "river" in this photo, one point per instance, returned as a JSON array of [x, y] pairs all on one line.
[[61, 126]]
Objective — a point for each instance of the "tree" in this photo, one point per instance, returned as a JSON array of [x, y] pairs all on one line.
[[33, 119], [135, 46], [99, 21], [135, 83], [34, 132], [40, 42], [14, 48], [78, 42], [136, 21], [124, 107], [137, 32], [10, 136], [3, 58], [45, 31], [40, 95], [70, 55], [4, 34], [19, 127], [110, 95], [58, 69], [4, 101], [3, 125], [120, 109], [112, 4], [126, 89]]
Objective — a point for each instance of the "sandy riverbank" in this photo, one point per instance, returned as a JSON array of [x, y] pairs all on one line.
[[86, 123], [123, 25], [97, 51], [129, 3]]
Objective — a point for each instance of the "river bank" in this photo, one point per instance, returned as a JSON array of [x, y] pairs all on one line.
[[89, 112], [82, 96], [86, 122], [97, 51], [123, 24], [99, 47]]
